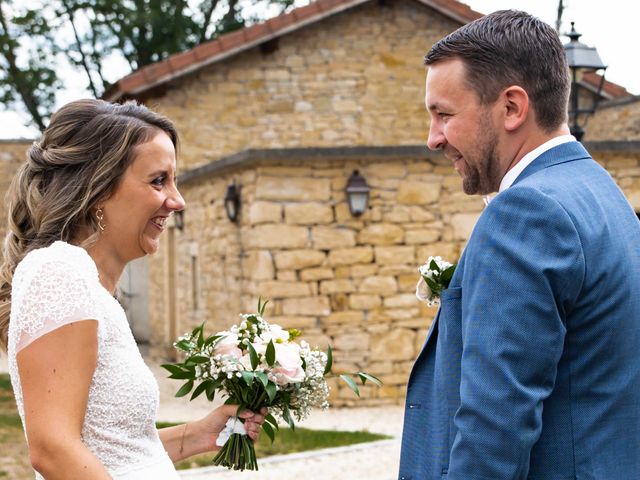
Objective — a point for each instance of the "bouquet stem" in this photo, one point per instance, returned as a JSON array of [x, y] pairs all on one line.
[[238, 453]]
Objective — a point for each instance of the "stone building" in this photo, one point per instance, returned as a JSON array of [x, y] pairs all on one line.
[[287, 110]]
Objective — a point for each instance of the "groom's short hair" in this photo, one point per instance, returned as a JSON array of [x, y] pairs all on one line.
[[510, 47]]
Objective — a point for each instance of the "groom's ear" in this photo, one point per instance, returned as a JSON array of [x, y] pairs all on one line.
[[515, 101]]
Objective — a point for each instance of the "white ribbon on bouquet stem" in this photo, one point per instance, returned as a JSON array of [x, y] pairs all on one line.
[[234, 425]]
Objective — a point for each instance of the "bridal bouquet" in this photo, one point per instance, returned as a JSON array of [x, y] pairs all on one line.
[[256, 364], [435, 276]]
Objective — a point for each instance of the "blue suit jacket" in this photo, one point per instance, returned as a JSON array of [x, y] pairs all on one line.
[[532, 367]]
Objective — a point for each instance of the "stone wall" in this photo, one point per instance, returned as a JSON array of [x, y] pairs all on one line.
[[12, 154], [343, 281], [356, 78], [615, 120]]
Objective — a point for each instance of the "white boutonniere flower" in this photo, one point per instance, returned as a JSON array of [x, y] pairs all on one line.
[[435, 276]]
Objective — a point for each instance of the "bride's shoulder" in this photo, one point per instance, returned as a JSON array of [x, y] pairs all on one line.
[[59, 256]]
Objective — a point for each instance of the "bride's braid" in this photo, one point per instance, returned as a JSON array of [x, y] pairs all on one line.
[[77, 163]]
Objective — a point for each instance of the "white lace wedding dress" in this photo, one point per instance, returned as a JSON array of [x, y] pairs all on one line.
[[57, 285]]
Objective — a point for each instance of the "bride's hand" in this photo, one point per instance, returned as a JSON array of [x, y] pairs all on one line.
[[216, 421]]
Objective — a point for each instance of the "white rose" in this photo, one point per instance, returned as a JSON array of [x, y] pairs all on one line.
[[276, 333], [423, 292], [289, 364]]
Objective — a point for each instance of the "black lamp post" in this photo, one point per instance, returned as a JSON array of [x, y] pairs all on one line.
[[357, 194], [580, 58], [232, 202]]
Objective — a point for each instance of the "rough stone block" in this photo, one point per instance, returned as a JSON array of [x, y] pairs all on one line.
[[385, 286], [258, 265], [336, 286], [381, 234], [352, 341], [328, 238], [298, 259], [350, 256], [278, 236], [306, 306], [279, 289], [463, 224], [364, 302], [395, 255], [314, 274], [293, 189], [404, 300], [308, 213], [265, 212], [344, 318], [418, 193], [398, 344]]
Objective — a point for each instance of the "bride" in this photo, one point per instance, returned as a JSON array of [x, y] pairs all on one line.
[[95, 193]]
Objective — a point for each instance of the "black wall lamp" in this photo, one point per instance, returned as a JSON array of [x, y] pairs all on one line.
[[178, 220], [232, 202], [582, 58], [357, 192]]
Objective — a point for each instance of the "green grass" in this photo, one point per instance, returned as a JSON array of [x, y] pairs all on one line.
[[14, 454], [288, 441]]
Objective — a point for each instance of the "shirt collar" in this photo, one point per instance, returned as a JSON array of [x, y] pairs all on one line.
[[524, 162]]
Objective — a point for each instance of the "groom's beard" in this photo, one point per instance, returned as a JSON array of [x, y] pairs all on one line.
[[482, 176]]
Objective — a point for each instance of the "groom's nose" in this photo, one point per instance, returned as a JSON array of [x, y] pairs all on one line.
[[436, 140]]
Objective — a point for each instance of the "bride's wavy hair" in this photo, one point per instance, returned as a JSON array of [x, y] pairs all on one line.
[[79, 162]]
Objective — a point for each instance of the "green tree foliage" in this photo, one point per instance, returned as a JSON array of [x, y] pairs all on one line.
[[35, 34]]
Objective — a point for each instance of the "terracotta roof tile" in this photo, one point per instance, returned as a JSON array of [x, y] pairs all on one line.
[[282, 21], [156, 70], [257, 31], [232, 40], [207, 50], [609, 88], [182, 60], [180, 63], [307, 11]]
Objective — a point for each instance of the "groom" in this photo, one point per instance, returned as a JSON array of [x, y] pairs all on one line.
[[532, 367]]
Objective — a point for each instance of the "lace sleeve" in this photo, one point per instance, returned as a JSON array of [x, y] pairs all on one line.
[[47, 294]]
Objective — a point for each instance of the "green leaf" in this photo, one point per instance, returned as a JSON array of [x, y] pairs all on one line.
[[268, 429], [432, 285], [270, 354], [351, 383], [248, 378], [272, 420], [186, 388], [366, 376], [446, 276], [211, 392], [327, 368], [183, 375], [185, 345], [199, 389], [263, 377], [286, 415], [434, 266], [197, 359], [253, 355], [172, 368], [272, 390]]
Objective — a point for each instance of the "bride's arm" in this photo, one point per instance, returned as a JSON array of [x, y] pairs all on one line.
[[55, 374], [191, 438]]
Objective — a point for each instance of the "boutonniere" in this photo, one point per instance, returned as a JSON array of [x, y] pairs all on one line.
[[435, 276]]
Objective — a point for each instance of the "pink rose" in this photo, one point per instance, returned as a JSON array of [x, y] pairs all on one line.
[[289, 364], [228, 345]]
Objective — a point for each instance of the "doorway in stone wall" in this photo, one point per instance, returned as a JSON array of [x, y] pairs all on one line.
[[134, 297]]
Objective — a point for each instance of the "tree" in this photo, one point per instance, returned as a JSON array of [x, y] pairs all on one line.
[[87, 33]]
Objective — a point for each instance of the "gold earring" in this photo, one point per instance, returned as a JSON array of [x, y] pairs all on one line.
[[100, 217]]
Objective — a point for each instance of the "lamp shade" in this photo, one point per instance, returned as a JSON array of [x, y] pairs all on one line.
[[357, 192]]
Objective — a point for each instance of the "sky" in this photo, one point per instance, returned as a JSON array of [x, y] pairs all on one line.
[[609, 26]]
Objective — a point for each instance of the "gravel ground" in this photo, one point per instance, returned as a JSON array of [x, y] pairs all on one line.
[[370, 461]]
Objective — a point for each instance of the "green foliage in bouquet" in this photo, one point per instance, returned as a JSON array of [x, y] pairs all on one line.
[[256, 364]]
